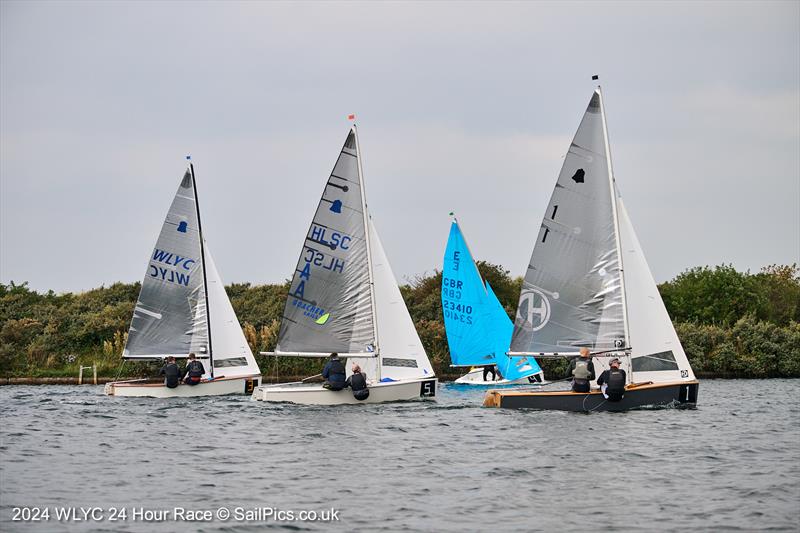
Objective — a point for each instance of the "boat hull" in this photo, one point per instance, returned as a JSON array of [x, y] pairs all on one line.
[[475, 377], [217, 387], [315, 394], [677, 394]]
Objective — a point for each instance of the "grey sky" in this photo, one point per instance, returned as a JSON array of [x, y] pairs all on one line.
[[466, 107]]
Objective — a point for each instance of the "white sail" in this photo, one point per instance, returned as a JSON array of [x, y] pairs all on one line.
[[402, 355], [657, 354], [229, 350]]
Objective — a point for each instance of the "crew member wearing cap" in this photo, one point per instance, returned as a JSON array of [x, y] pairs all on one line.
[[581, 369], [612, 381]]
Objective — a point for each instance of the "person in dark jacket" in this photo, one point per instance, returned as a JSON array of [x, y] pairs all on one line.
[[612, 381], [334, 373], [171, 373], [194, 371], [581, 369], [358, 383]]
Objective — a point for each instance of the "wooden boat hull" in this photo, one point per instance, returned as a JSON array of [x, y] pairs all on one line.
[[217, 387], [475, 377], [315, 394], [677, 394]]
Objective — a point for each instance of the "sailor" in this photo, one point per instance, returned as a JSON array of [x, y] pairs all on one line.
[[582, 371], [194, 371], [489, 369], [612, 381], [358, 383], [171, 373], [334, 373]]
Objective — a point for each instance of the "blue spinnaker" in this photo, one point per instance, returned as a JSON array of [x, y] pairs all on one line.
[[511, 368], [464, 306]]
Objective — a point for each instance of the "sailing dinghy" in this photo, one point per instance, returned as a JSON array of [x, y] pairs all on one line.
[[588, 285], [344, 298], [477, 326], [183, 308]]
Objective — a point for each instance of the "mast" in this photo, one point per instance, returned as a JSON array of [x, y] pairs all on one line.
[[615, 215], [205, 279], [369, 254]]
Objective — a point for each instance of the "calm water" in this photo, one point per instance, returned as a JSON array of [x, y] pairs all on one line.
[[733, 463]]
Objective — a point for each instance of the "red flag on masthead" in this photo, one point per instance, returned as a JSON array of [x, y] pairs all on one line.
[[351, 117]]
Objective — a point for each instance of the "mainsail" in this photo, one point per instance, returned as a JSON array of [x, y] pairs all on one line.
[[572, 295], [464, 307], [170, 316], [478, 328], [343, 296], [329, 308]]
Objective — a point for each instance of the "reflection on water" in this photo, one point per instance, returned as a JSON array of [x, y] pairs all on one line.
[[448, 465]]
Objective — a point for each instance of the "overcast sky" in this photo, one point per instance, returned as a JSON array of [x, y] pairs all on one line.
[[465, 107]]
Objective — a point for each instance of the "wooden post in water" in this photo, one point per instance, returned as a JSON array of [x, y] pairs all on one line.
[[94, 372]]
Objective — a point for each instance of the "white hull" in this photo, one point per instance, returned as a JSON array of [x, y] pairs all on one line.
[[475, 377], [315, 394], [217, 387]]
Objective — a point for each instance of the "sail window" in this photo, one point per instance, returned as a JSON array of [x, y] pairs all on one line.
[[233, 361], [397, 361], [655, 362]]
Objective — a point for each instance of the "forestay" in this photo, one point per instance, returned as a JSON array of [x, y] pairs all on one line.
[[572, 293], [329, 307], [170, 313]]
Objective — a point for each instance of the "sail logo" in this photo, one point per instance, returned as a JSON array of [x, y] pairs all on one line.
[[534, 309], [317, 314]]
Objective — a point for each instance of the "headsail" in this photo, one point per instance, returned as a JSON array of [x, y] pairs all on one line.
[[231, 353], [329, 307], [170, 316], [402, 355], [657, 354], [572, 293], [464, 307], [501, 328]]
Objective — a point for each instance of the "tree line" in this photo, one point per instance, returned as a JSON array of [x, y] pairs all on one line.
[[731, 323]]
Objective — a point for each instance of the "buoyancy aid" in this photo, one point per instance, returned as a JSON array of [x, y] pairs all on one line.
[[582, 369]]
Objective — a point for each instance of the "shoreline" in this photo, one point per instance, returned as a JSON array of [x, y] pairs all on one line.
[[271, 379]]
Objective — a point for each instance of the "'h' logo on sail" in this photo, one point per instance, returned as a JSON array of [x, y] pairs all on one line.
[[534, 308]]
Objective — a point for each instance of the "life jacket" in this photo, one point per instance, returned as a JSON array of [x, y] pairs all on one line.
[[582, 369], [172, 374], [615, 387], [358, 383], [336, 371], [195, 369]]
